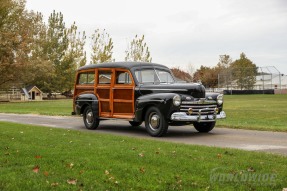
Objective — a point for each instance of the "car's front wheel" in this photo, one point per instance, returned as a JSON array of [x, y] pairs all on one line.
[[90, 121], [204, 127], [155, 123]]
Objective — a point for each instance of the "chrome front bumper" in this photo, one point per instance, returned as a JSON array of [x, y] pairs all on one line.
[[182, 116]]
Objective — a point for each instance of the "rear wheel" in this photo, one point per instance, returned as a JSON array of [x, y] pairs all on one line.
[[135, 123], [90, 121], [155, 123], [204, 127]]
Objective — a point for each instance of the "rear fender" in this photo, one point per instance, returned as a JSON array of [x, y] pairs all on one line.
[[84, 100]]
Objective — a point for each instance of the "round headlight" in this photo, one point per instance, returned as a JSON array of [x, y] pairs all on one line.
[[176, 100], [220, 99]]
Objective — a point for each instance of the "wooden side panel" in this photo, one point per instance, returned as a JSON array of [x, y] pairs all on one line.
[[125, 94], [103, 93], [122, 107]]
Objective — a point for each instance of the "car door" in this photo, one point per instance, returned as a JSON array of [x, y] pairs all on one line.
[[123, 94], [103, 91]]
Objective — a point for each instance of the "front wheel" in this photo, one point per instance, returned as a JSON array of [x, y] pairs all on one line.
[[204, 127], [155, 123], [90, 121]]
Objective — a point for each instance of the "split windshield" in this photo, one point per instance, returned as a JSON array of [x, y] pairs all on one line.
[[153, 76]]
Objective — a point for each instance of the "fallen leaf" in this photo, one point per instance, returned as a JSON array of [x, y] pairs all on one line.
[[219, 156], [107, 172], [38, 156], [36, 169], [142, 170], [251, 169], [81, 172], [72, 181], [54, 184], [46, 173], [70, 165], [141, 155]]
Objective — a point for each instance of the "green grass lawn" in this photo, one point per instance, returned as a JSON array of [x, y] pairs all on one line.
[[258, 112], [55, 107], [261, 112], [42, 158]]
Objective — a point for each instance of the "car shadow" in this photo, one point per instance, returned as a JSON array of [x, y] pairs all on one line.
[[124, 128]]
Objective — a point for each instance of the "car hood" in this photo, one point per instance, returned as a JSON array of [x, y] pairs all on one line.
[[192, 89]]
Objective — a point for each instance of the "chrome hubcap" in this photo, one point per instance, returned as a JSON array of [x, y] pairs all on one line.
[[89, 117], [154, 121]]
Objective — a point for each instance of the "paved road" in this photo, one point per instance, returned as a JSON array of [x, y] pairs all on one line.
[[274, 142]]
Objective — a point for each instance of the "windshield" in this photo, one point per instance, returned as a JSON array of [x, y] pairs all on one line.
[[153, 76]]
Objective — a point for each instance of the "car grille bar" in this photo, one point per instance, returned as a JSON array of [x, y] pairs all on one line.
[[205, 109]]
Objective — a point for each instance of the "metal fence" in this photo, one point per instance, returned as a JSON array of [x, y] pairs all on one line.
[[264, 78]]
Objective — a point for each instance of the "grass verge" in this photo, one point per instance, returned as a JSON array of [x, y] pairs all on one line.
[[55, 107], [257, 112], [42, 158]]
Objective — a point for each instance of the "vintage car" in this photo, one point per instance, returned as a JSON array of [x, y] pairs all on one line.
[[138, 92]]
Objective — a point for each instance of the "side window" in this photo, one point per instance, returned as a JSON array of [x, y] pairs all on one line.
[[86, 78], [123, 77], [105, 77]]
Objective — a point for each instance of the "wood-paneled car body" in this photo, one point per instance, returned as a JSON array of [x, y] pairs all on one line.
[[143, 92]]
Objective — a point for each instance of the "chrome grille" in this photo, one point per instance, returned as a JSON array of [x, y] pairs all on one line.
[[207, 109]]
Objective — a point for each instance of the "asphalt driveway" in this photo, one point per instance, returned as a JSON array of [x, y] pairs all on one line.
[[274, 142]]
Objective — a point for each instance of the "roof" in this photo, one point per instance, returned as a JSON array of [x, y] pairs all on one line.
[[126, 65], [29, 88]]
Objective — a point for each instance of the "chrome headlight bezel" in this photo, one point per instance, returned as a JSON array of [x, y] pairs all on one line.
[[219, 99], [176, 100]]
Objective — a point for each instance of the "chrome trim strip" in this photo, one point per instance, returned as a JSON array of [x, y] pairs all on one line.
[[199, 102]]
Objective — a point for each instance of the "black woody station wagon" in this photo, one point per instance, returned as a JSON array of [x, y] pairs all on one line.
[[138, 92]]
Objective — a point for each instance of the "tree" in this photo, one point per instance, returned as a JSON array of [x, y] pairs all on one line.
[[244, 71], [138, 50], [40, 68], [74, 57], [224, 69], [16, 38], [102, 47], [180, 74], [207, 76], [64, 47], [190, 70]]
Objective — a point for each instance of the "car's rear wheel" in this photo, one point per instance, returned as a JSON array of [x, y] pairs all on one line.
[[135, 123], [155, 123], [204, 127], [90, 121]]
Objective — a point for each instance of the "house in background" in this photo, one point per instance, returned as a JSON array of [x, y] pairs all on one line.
[[31, 93]]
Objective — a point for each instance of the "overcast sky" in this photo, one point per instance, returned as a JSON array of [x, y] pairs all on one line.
[[184, 32]]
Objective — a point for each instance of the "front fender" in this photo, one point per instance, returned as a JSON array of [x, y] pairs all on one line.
[[163, 101], [84, 100]]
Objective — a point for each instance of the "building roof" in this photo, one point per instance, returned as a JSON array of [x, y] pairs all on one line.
[[126, 65], [29, 88]]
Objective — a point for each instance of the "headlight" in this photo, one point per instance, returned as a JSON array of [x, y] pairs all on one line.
[[220, 99], [176, 100]]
